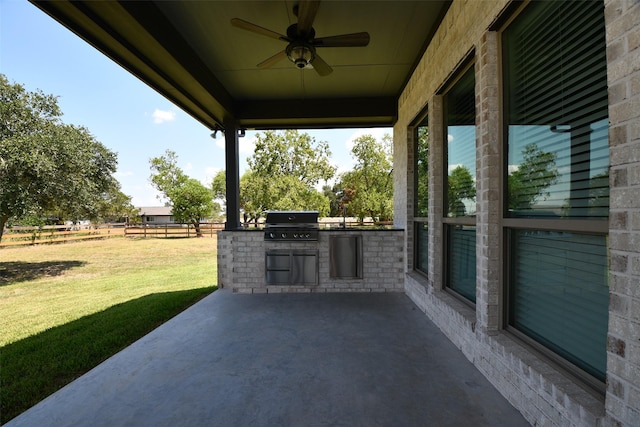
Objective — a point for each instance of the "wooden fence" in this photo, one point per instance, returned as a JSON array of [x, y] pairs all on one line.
[[64, 233], [59, 233], [172, 230]]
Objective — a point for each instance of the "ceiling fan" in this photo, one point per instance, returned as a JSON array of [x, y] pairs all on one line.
[[302, 41]]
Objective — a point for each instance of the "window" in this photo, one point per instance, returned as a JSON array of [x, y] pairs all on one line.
[[460, 208], [556, 188], [560, 294], [421, 214]]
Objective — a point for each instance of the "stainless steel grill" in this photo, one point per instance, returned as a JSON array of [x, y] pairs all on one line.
[[291, 226]]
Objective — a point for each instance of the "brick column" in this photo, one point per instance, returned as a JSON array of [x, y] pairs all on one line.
[[436, 195], [488, 173], [622, 19], [410, 180]]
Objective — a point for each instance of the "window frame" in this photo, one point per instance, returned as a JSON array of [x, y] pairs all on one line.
[[468, 63], [510, 224], [421, 120]]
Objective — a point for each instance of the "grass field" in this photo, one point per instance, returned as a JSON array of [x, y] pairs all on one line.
[[66, 308]]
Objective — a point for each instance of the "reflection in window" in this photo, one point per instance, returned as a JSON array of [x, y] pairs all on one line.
[[460, 134], [558, 152], [560, 297], [422, 197], [461, 147], [558, 172], [422, 170], [461, 258], [422, 247], [556, 107]]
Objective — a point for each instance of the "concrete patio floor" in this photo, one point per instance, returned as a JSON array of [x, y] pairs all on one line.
[[284, 360]]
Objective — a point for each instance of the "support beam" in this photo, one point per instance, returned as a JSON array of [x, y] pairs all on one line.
[[232, 164]]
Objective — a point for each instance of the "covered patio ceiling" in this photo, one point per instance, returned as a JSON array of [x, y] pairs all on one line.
[[191, 53]]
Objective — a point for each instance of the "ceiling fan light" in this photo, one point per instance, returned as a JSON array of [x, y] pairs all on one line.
[[300, 54]]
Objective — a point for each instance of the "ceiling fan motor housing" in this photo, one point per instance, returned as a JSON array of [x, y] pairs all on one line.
[[301, 54]]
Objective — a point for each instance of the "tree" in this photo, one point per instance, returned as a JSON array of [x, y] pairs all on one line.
[[252, 190], [460, 186], [219, 185], [283, 174], [335, 196], [422, 170], [165, 173], [370, 183], [190, 200], [534, 176], [289, 153], [219, 188], [44, 163], [116, 206]]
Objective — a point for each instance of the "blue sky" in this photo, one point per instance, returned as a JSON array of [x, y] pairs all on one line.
[[122, 113]]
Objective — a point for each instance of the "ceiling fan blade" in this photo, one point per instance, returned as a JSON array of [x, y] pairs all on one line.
[[321, 67], [240, 23], [269, 62], [344, 40], [307, 10]]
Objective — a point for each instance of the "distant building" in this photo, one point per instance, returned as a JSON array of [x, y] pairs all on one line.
[[159, 215], [156, 215]]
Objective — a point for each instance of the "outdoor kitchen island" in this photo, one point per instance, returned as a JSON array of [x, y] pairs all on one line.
[[337, 260]]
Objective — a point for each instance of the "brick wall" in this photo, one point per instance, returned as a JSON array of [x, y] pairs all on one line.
[[241, 262], [545, 393], [623, 342]]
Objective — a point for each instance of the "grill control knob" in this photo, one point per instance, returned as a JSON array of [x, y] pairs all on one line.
[[283, 235], [272, 235]]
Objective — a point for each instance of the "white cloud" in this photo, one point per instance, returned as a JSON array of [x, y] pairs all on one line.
[[211, 171], [453, 167], [247, 145], [189, 166], [450, 138], [143, 195], [513, 168], [161, 116], [377, 133]]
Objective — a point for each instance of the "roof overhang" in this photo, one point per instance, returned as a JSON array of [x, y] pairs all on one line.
[[191, 54]]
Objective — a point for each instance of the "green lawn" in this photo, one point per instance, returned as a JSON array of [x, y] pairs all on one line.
[[66, 308]]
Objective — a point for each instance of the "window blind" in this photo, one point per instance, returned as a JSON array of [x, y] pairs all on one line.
[[460, 119], [557, 167], [556, 102], [461, 260], [422, 247], [560, 294]]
